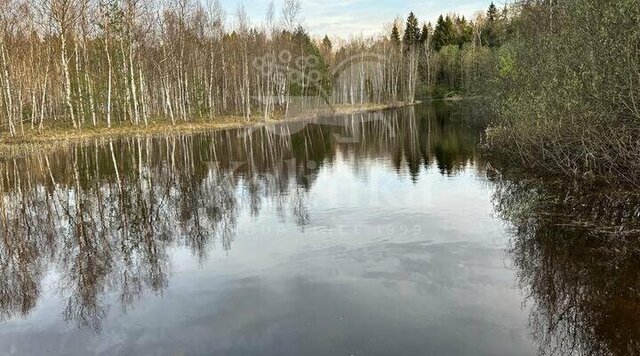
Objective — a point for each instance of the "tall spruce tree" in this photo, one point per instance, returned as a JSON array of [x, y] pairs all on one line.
[[411, 32], [444, 34], [491, 32], [464, 31], [395, 35], [492, 13], [424, 34]]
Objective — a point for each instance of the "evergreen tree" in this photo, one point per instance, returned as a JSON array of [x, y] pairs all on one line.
[[411, 42], [506, 28], [308, 47], [438, 34], [395, 35], [444, 34], [492, 13], [451, 30], [424, 34], [491, 32], [464, 31], [411, 32], [327, 46]]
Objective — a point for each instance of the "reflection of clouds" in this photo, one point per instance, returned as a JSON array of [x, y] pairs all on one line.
[[106, 217], [424, 264]]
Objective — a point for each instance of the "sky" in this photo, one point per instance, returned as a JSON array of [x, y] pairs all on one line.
[[348, 18]]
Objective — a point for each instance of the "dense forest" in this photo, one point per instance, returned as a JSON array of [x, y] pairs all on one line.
[[558, 81], [85, 63], [80, 63]]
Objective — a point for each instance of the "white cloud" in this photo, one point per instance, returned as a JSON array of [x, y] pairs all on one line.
[[348, 18]]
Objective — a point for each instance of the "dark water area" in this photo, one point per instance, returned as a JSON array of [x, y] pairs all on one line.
[[372, 234]]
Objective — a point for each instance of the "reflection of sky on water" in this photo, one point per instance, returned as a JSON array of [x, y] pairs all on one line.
[[384, 261]]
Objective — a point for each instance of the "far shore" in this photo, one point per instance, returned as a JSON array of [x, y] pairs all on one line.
[[52, 137]]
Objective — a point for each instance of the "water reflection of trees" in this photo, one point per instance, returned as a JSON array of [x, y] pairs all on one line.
[[413, 138], [104, 216], [577, 255]]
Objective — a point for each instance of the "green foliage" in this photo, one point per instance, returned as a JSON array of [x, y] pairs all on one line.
[[444, 34], [458, 60], [495, 27], [506, 61], [452, 31], [453, 57], [411, 37], [424, 34], [395, 35], [566, 96], [306, 81], [492, 13], [464, 31], [448, 60]]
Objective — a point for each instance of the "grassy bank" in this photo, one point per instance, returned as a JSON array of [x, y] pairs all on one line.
[[55, 136]]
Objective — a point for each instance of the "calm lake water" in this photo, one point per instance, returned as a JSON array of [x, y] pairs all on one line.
[[376, 234]]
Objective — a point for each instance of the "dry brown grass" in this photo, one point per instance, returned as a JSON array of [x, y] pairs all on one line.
[[55, 136]]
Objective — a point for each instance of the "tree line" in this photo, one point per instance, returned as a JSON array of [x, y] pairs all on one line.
[[99, 63], [559, 82], [79, 63], [560, 79], [454, 56]]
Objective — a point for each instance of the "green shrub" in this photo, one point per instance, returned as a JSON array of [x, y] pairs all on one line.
[[567, 98]]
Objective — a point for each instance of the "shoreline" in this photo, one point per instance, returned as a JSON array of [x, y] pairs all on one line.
[[57, 137]]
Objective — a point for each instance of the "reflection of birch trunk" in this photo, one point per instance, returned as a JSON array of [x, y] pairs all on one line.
[[53, 181], [78, 207], [115, 165]]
